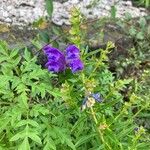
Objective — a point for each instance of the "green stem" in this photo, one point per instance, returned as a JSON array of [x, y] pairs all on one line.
[[99, 131]]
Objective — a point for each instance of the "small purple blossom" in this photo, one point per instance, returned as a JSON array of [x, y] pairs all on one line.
[[90, 100], [54, 66], [73, 58], [97, 97], [72, 52], [53, 53], [56, 59], [76, 65]]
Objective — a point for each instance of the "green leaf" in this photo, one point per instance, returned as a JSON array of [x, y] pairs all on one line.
[[93, 52], [3, 58], [17, 136], [55, 93], [13, 53], [16, 61], [113, 12], [35, 137], [3, 123], [25, 145], [140, 36], [70, 144], [21, 123], [125, 132], [38, 110], [81, 119], [132, 31], [84, 139], [27, 55], [3, 50], [36, 43], [63, 137], [55, 44], [44, 37], [142, 22], [56, 30], [49, 7], [24, 99], [49, 143], [29, 121], [33, 123]]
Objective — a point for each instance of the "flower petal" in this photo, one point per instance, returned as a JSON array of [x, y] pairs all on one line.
[[76, 65], [53, 53], [56, 59], [97, 97], [55, 66], [72, 52]]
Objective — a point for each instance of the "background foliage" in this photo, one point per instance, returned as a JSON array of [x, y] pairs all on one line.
[[41, 110]]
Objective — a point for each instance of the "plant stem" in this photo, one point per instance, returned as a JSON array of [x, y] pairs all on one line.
[[99, 131]]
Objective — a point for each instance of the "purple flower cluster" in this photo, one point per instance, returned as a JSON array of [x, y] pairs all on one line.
[[58, 61]]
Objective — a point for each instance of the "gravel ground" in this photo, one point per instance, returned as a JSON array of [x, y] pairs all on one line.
[[23, 12]]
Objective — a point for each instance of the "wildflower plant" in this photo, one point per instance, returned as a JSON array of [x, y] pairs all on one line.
[[54, 108]]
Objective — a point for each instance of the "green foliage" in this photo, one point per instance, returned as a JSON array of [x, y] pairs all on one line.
[[35, 115], [75, 31], [113, 11], [42, 110], [139, 51], [145, 3]]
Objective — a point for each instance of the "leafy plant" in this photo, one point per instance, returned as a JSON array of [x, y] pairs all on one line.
[[81, 110]]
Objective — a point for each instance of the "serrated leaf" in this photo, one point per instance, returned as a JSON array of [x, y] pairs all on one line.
[[13, 53]]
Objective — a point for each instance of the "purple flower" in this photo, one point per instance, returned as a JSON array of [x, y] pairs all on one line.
[[58, 62], [97, 97], [53, 53], [76, 65], [72, 52], [56, 59], [55, 66], [73, 58]]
